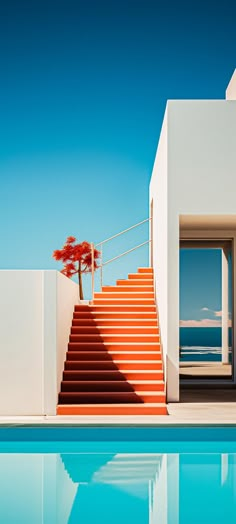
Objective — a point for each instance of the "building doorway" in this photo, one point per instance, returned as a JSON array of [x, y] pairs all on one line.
[[206, 304]]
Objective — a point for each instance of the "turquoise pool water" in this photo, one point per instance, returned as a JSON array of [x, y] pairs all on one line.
[[117, 475]]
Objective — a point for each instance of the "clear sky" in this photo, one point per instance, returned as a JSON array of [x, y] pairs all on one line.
[[83, 90]]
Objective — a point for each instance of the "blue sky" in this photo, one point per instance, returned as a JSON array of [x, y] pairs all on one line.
[[83, 90], [200, 287]]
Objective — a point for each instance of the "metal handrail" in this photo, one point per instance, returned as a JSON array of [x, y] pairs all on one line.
[[125, 252], [118, 256], [124, 231]]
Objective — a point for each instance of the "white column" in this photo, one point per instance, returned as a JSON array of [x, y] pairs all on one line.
[[225, 306]]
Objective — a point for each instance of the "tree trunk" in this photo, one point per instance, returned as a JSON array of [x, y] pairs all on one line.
[[81, 295]]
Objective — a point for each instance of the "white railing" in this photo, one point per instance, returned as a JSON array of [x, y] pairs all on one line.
[[100, 246]]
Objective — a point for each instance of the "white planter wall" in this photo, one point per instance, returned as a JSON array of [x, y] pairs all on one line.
[[36, 310]]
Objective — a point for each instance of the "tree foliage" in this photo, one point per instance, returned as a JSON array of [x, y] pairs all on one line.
[[77, 259]]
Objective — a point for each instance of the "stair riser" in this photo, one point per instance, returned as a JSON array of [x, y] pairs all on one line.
[[105, 386], [104, 365], [109, 322], [112, 410], [124, 301], [110, 397], [127, 290], [122, 308], [128, 284], [115, 338], [140, 276], [118, 315], [109, 347], [148, 270], [110, 375], [113, 356], [94, 330]]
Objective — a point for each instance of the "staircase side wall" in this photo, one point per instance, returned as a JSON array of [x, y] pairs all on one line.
[[60, 294], [67, 297]]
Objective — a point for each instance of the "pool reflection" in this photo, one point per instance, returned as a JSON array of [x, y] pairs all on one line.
[[145, 488]]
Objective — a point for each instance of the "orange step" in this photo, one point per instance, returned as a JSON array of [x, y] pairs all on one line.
[[111, 397], [93, 309], [140, 276], [116, 330], [145, 270], [105, 322], [116, 315], [114, 338], [114, 355], [124, 302], [112, 375], [111, 346], [128, 290], [113, 365], [125, 294], [114, 409], [78, 386], [139, 283]]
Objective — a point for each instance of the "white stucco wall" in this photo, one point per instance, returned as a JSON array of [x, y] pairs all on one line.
[[36, 310], [201, 180]]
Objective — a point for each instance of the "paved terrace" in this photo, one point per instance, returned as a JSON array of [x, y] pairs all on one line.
[[196, 407]]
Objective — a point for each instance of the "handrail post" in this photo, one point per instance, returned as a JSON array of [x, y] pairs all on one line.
[[92, 263]]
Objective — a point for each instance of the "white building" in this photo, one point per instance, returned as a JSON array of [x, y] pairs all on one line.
[[192, 197]]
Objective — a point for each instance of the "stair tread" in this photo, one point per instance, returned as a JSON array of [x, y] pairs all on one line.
[[115, 393], [147, 404], [116, 327], [114, 334], [109, 371], [124, 380]]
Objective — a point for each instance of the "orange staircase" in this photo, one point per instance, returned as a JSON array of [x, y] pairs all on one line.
[[114, 363]]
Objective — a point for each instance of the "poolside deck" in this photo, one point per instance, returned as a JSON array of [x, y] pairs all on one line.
[[196, 407]]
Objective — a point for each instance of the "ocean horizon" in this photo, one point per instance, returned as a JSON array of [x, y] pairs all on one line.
[[202, 344]]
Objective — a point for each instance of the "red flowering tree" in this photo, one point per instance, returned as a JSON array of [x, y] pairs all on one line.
[[77, 259]]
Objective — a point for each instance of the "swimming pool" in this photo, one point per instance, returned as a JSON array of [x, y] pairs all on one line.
[[174, 475]]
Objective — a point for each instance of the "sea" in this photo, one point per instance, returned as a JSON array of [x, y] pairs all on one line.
[[202, 344]]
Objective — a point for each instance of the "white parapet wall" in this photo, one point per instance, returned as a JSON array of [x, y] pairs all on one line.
[[36, 309]]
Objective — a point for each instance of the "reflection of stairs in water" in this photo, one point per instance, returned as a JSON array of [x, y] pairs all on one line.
[[129, 472], [82, 466], [120, 483], [128, 468], [114, 361]]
